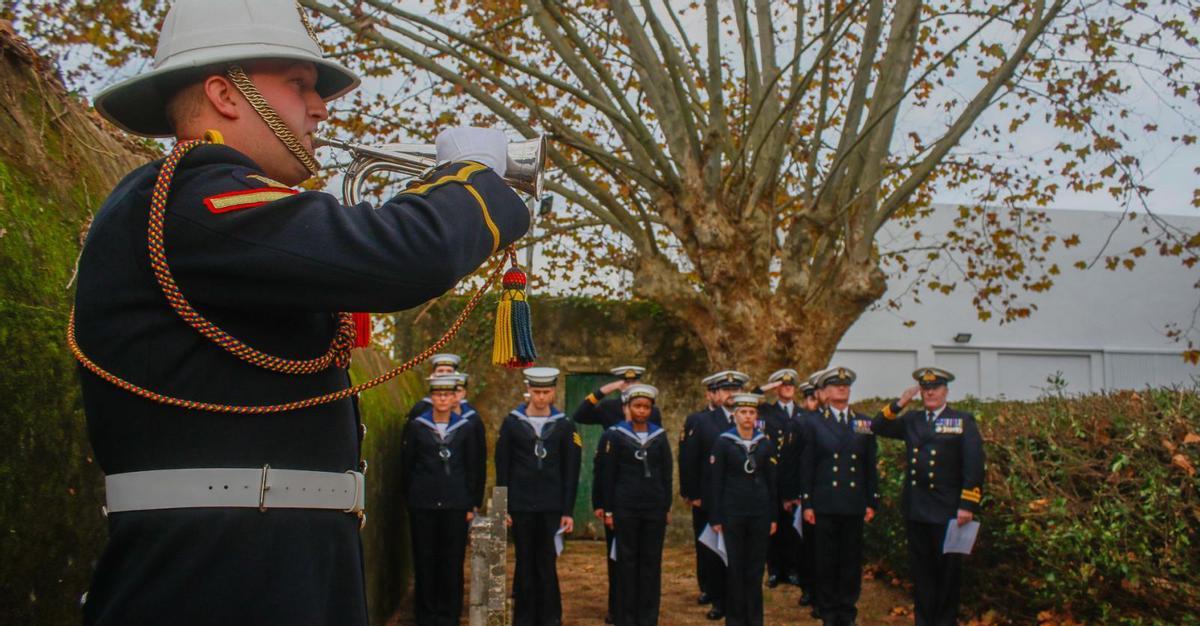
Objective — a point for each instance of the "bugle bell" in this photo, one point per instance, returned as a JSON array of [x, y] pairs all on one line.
[[526, 160]]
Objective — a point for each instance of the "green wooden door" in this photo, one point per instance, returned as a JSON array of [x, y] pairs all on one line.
[[578, 387]]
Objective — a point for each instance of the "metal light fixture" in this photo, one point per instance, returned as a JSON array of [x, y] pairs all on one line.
[[962, 338]]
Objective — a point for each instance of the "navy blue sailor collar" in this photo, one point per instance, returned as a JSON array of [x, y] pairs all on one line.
[[554, 416], [732, 434], [456, 421], [626, 428]]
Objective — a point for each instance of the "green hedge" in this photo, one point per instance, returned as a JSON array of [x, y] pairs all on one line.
[[1090, 509]]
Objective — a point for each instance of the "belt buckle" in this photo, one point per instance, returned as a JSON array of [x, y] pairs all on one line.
[[263, 488], [354, 507]]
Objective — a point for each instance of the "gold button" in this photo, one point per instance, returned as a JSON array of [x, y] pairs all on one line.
[[932, 462], [835, 455], [851, 483], [931, 485], [835, 483], [914, 483], [835, 468], [854, 456], [914, 472], [933, 452], [853, 468], [931, 474]]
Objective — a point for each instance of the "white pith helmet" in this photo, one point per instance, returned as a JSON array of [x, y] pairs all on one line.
[[201, 33]]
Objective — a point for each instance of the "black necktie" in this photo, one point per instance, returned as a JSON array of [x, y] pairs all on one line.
[[929, 415]]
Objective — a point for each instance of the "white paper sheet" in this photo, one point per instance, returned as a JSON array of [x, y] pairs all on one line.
[[715, 541], [960, 539], [558, 541], [798, 520], [612, 551]]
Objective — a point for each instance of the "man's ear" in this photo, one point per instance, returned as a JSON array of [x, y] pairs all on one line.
[[223, 96]]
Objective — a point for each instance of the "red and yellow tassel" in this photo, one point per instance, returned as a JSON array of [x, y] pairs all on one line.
[[514, 333]]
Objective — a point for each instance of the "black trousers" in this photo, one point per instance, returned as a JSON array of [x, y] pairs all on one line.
[[639, 564], [439, 546], [611, 568], [936, 576], [839, 566], [710, 569], [536, 600], [785, 546], [746, 541], [807, 563]]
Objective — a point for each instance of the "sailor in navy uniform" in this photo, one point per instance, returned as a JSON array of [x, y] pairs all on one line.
[[699, 450], [689, 483], [776, 420], [635, 467], [839, 483], [944, 483], [596, 410], [270, 265], [537, 458], [442, 364], [744, 492], [442, 483]]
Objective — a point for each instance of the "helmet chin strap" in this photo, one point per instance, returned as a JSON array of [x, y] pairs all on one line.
[[271, 118]]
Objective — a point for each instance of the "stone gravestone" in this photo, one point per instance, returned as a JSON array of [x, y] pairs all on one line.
[[489, 564]]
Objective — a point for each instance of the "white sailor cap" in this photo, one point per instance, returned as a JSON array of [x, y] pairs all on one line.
[[747, 399], [728, 379], [445, 382], [628, 372], [929, 377], [453, 360], [465, 378], [786, 376], [640, 390], [814, 379], [837, 376], [541, 376]]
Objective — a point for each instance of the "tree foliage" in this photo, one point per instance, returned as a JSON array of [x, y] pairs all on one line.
[[734, 160]]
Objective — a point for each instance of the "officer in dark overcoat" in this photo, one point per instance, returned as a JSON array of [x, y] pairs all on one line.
[[806, 554], [229, 290], [839, 484], [442, 458], [744, 492], [943, 486], [689, 483], [699, 451], [635, 469], [537, 458]]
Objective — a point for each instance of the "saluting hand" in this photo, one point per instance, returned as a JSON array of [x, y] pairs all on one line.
[[964, 516], [909, 394], [599, 513]]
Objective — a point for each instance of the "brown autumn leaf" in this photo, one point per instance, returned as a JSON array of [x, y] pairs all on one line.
[[1039, 504], [899, 611], [1191, 438], [1183, 463]]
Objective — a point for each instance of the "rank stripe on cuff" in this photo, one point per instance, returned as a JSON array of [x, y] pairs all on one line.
[[245, 199], [591, 397], [462, 176], [578, 440], [888, 413], [972, 495]]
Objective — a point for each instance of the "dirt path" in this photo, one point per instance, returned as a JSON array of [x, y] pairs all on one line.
[[584, 588]]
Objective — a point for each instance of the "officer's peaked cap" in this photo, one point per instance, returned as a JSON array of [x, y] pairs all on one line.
[[786, 376], [932, 376], [628, 372], [199, 35], [837, 376]]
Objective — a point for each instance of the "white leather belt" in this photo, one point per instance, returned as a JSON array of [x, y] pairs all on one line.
[[262, 488]]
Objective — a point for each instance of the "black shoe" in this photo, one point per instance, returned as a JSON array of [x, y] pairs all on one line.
[[772, 581], [805, 599], [704, 598], [794, 580], [608, 618], [715, 614]]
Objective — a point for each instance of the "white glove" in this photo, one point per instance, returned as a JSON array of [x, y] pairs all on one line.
[[467, 143]]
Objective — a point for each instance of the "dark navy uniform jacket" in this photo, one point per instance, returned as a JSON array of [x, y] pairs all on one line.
[[776, 423], [634, 475], [606, 413], [434, 479], [945, 461], [272, 275], [838, 475], [743, 476], [701, 440], [690, 460], [538, 485]]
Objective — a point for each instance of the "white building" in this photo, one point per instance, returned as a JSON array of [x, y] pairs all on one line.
[[1094, 329]]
